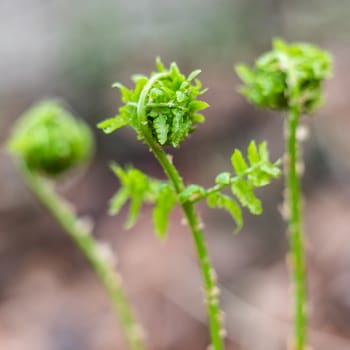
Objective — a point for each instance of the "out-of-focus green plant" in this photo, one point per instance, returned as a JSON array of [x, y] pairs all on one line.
[[163, 110], [290, 78], [288, 75], [48, 142]]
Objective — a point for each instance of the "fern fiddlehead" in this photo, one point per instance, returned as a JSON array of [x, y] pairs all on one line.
[[170, 81], [48, 142], [163, 110], [290, 78]]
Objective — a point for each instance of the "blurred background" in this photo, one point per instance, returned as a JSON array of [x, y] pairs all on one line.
[[49, 299]]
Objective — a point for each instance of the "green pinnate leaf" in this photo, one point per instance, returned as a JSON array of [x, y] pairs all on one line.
[[238, 162], [259, 178], [263, 152], [118, 200], [219, 200], [165, 202], [259, 173], [253, 153], [162, 128], [136, 187], [135, 206], [178, 128], [244, 192], [110, 125]]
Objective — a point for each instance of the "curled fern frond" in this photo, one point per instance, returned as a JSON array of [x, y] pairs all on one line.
[[287, 75], [138, 188], [50, 140], [166, 104]]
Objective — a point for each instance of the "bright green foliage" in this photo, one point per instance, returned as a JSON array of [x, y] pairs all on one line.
[[171, 106], [50, 140], [163, 110], [243, 190], [238, 162], [223, 178], [255, 172], [288, 75], [139, 189], [165, 202], [191, 192], [258, 173], [220, 200]]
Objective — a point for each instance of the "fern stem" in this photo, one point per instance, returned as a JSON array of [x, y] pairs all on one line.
[[92, 250], [208, 273], [295, 232], [209, 278]]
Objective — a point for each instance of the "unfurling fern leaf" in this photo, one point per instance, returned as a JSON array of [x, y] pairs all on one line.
[[256, 172], [164, 105], [139, 189], [135, 186]]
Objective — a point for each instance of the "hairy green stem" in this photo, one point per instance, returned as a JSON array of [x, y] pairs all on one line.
[[208, 274], [295, 232], [94, 252]]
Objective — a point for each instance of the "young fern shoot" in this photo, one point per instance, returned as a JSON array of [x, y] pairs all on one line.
[[48, 142], [163, 110], [290, 78]]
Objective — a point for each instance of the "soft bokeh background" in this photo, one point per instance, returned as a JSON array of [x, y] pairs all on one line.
[[49, 299]]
